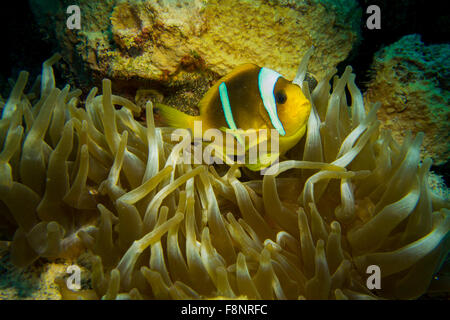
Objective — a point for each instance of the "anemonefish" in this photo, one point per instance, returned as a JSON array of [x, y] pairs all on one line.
[[250, 97]]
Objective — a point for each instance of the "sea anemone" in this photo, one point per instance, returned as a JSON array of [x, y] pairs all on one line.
[[94, 178]]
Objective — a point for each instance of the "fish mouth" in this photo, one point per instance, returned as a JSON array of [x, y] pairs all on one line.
[[296, 133]]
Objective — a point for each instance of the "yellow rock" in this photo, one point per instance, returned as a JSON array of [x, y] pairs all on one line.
[[155, 40], [410, 80]]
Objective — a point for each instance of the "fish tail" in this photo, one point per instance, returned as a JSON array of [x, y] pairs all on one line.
[[173, 117]]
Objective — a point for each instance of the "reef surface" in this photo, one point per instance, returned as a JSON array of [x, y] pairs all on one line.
[[92, 179], [163, 40], [87, 178]]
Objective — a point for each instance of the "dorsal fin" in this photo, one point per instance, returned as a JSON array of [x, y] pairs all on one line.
[[205, 102]]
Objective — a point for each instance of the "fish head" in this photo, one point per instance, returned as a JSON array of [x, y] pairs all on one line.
[[293, 108]]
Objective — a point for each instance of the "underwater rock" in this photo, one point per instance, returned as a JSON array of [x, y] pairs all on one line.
[[36, 282], [79, 48], [163, 40], [412, 82]]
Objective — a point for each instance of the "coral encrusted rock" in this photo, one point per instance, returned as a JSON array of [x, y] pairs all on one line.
[[163, 41], [412, 82]]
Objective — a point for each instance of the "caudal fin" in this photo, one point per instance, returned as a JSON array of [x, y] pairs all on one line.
[[172, 117]]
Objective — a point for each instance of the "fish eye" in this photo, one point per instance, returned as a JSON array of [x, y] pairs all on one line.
[[280, 96]]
